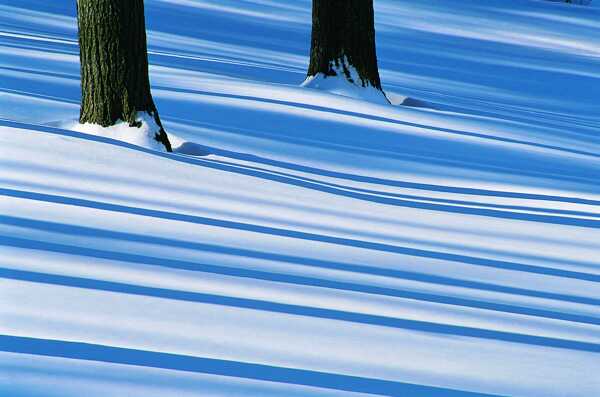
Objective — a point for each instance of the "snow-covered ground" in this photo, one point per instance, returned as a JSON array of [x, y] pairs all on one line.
[[301, 243]]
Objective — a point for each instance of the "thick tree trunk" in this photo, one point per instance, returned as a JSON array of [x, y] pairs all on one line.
[[343, 35], [114, 63]]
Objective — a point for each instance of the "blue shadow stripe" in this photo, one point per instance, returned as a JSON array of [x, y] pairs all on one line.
[[299, 235], [305, 311], [373, 193], [381, 119], [298, 280], [292, 376], [296, 181], [75, 230]]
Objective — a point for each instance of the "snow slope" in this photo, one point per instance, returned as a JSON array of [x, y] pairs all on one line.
[[299, 242]]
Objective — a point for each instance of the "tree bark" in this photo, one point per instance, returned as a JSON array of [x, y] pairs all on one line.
[[114, 64], [343, 33]]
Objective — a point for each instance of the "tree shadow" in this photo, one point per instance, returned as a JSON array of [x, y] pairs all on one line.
[[236, 369]]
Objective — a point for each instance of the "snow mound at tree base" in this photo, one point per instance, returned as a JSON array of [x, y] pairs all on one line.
[[348, 87], [144, 135], [339, 85]]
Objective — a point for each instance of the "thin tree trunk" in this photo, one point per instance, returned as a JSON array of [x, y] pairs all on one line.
[[343, 35], [114, 64]]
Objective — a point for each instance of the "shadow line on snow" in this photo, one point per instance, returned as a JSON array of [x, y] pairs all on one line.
[[379, 118], [313, 281], [28, 127], [298, 310], [75, 230], [321, 187], [497, 264], [202, 150], [541, 218], [213, 366], [38, 96], [399, 155], [42, 73], [402, 198]]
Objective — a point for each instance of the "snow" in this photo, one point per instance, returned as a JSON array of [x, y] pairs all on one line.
[[348, 86], [143, 135], [306, 241]]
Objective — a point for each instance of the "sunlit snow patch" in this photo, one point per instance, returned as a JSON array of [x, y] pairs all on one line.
[[144, 135]]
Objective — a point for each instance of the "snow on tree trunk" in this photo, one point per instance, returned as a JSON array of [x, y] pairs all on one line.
[[343, 41], [114, 65]]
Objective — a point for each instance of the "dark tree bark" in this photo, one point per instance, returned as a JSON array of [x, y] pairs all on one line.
[[343, 32], [114, 64]]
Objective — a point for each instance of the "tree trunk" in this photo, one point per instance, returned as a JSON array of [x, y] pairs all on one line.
[[343, 35], [114, 64]]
